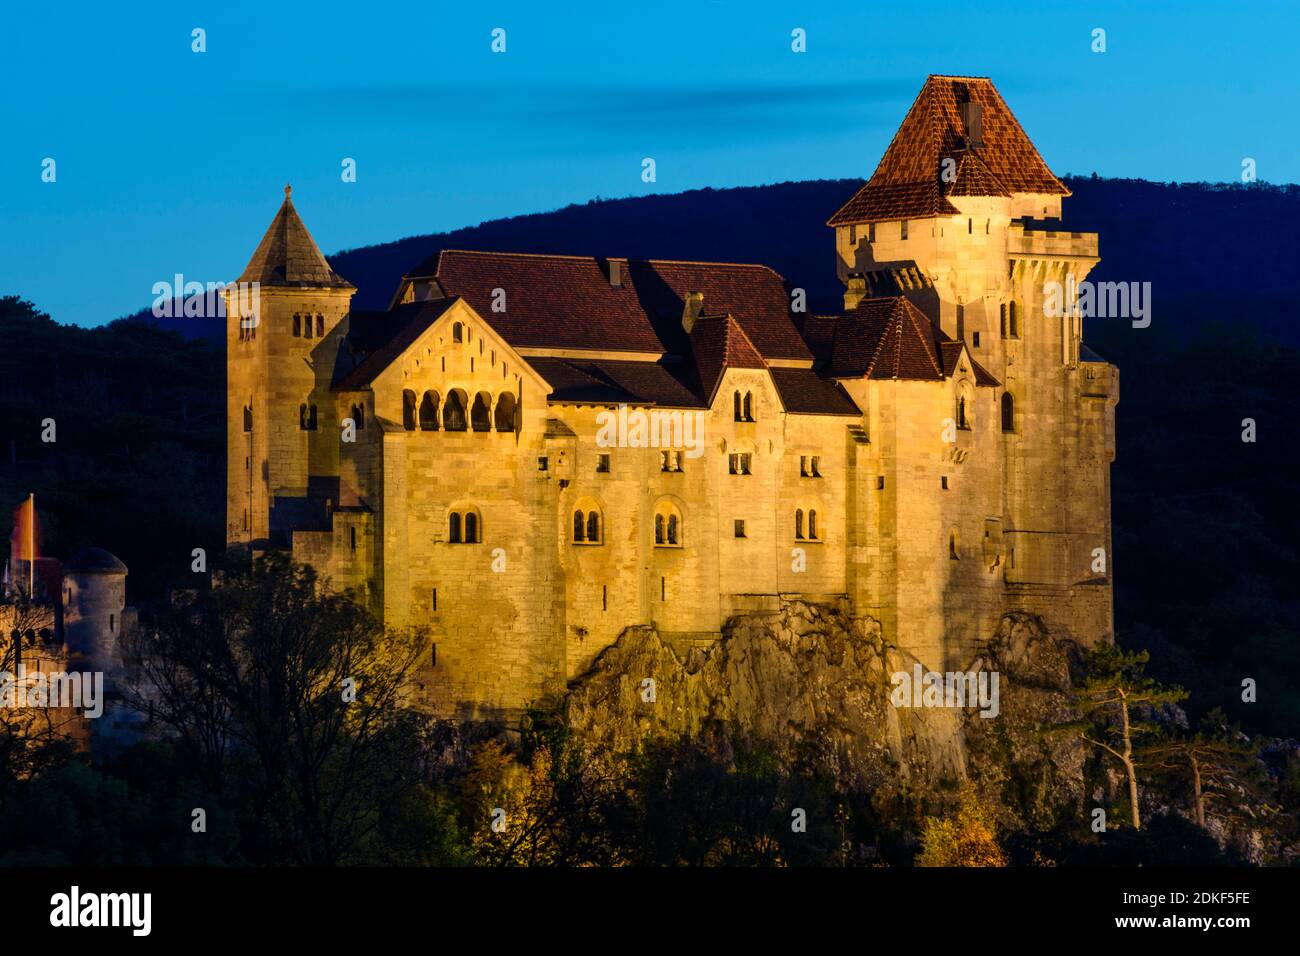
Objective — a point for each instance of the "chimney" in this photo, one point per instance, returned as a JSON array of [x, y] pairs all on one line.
[[972, 121], [855, 292], [691, 310], [614, 270]]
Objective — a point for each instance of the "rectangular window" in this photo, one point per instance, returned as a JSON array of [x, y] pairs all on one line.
[[814, 465], [975, 337], [352, 538], [435, 599], [604, 597], [880, 482], [803, 466], [740, 528], [602, 464], [433, 655], [542, 463], [297, 325], [943, 482], [871, 232], [853, 235], [320, 326], [902, 233]]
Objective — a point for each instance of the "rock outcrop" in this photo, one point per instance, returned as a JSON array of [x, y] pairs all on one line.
[[814, 685]]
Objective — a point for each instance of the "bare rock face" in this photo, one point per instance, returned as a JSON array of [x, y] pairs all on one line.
[[815, 686]]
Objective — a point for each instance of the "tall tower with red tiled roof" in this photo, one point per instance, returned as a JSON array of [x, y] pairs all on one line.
[[958, 218], [285, 319]]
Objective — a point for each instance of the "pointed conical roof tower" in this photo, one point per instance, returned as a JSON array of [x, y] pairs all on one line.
[[288, 256]]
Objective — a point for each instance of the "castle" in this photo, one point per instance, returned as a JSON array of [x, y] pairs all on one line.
[[60, 618], [933, 456]]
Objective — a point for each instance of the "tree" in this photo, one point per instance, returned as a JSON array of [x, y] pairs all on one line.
[[289, 698], [1218, 759], [1110, 700], [968, 838]]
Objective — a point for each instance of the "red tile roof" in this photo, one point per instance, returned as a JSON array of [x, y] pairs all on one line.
[[568, 302], [608, 382], [908, 185], [889, 338], [717, 344], [804, 392]]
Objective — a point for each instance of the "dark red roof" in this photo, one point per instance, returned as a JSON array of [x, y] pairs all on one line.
[[568, 302], [908, 182], [891, 338], [804, 392], [717, 344], [607, 382]]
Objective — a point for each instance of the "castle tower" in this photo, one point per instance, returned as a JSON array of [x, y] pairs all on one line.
[[951, 219], [285, 321], [94, 599]]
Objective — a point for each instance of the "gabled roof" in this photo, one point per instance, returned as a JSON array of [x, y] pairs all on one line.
[[889, 338], [717, 344], [569, 302], [288, 256], [382, 338], [908, 182], [950, 350]]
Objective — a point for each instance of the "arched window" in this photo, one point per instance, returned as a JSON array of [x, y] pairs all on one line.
[[505, 412], [668, 525], [320, 326], [457, 334], [306, 327], [1008, 412], [586, 522], [749, 406], [481, 413], [453, 415], [359, 416], [798, 524], [952, 545], [736, 398], [297, 325], [965, 411], [812, 524], [429, 411], [1002, 319], [464, 525], [408, 409]]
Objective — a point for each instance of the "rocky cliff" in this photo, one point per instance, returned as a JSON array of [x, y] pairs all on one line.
[[814, 685]]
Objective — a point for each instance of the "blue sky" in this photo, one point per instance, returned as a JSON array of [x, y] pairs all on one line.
[[171, 161]]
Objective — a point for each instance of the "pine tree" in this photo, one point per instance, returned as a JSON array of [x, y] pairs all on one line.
[[1111, 701]]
